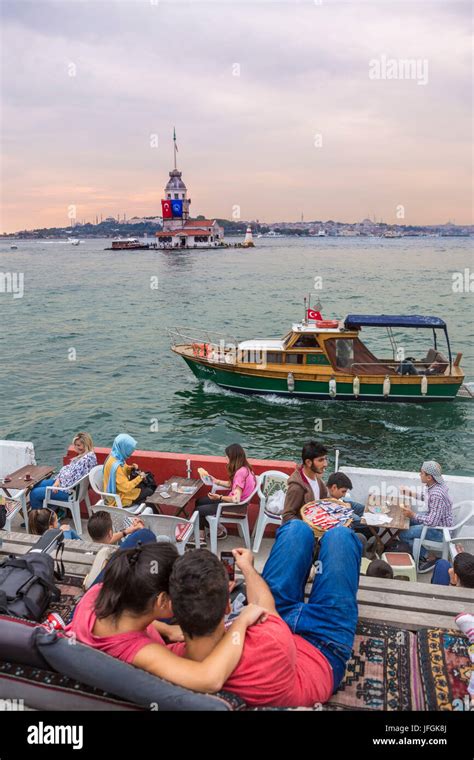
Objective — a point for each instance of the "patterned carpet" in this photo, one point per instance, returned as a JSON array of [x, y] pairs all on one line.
[[383, 673], [445, 668], [71, 591]]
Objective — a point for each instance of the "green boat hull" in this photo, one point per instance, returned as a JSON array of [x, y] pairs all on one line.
[[243, 383]]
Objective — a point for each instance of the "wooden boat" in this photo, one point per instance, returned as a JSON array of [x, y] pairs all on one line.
[[327, 360]]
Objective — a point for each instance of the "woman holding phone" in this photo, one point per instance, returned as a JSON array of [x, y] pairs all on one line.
[[241, 482]]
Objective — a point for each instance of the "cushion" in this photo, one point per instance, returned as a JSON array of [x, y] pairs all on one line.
[[94, 668], [45, 690], [17, 642]]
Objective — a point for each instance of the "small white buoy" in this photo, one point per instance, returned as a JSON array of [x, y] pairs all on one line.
[[424, 385], [386, 386], [290, 381], [332, 387], [356, 387]]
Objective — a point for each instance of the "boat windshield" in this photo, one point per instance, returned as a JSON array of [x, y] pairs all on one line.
[[352, 355], [306, 340]]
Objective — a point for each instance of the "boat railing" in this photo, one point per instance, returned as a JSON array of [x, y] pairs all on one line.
[[391, 364], [186, 336], [358, 366]]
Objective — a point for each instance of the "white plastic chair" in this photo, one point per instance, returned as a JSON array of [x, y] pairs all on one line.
[[176, 530], [463, 530], [14, 504], [462, 513], [237, 515], [13, 455], [78, 492], [467, 542], [268, 480], [96, 479]]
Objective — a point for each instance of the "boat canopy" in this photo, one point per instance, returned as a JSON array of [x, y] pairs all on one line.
[[392, 320]]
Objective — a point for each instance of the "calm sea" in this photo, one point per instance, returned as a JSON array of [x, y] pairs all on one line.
[[99, 307]]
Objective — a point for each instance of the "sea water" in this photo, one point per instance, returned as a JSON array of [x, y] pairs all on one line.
[[85, 347]]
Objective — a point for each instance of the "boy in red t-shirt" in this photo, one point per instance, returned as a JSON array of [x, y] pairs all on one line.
[[297, 656]]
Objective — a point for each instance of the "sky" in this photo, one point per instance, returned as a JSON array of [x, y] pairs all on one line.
[[281, 109]]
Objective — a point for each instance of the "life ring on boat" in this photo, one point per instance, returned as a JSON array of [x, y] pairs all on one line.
[[327, 323], [200, 349]]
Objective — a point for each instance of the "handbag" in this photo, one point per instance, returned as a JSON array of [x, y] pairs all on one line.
[[148, 480]]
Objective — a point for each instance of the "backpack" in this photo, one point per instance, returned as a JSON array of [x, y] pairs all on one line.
[[27, 581]]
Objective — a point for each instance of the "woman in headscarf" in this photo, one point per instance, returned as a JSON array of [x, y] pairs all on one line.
[[117, 474]]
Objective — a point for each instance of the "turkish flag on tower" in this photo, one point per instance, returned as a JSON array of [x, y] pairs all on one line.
[[313, 315], [166, 209]]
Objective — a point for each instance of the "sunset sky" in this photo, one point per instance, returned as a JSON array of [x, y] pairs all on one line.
[[275, 109]]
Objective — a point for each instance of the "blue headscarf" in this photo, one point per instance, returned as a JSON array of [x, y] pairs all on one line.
[[123, 447]]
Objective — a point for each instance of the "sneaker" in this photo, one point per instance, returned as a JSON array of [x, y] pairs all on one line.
[[425, 565], [221, 533]]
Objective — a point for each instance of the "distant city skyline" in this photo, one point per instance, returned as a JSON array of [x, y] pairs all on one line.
[[343, 111]]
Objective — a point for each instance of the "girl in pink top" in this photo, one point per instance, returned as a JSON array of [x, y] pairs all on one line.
[[119, 617], [241, 481]]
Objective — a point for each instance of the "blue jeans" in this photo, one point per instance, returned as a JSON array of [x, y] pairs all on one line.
[[39, 492], [441, 573], [328, 620], [357, 507], [144, 535], [414, 531], [71, 534]]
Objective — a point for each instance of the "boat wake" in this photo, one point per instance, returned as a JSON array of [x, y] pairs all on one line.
[[210, 387], [392, 426], [272, 398]]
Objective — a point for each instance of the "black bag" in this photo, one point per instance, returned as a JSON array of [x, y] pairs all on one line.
[[27, 582], [148, 481]]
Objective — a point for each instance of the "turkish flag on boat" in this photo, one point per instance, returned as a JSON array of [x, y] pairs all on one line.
[[312, 314], [166, 209]]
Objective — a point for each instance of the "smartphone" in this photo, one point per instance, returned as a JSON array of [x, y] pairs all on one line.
[[228, 560]]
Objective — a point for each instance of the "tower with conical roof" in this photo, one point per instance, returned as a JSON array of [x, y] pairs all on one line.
[[176, 190], [179, 230]]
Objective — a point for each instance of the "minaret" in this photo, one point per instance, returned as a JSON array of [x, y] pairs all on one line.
[[175, 189]]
